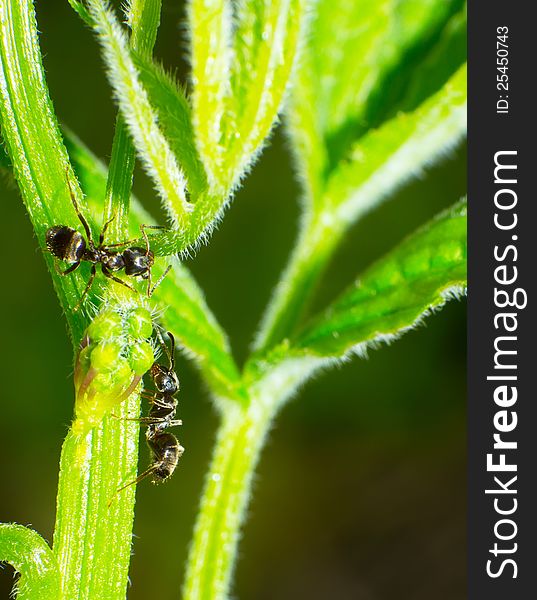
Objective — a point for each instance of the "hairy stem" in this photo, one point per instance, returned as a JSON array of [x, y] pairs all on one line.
[[225, 499], [92, 540], [316, 243], [93, 532], [29, 554], [144, 21], [224, 502]]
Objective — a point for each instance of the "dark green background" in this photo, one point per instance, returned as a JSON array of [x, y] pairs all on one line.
[[360, 493]]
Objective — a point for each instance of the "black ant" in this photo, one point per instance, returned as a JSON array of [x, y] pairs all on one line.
[[165, 449], [69, 245]]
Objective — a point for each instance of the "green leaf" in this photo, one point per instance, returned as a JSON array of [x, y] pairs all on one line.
[[351, 73], [210, 41], [395, 294], [233, 105], [154, 150], [175, 119], [82, 11], [30, 555], [376, 35], [268, 35], [381, 161], [400, 149], [188, 316], [33, 141], [438, 65], [143, 17]]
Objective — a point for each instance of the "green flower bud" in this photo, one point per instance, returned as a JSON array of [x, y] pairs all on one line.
[[141, 357], [105, 356], [115, 355], [123, 373], [106, 325], [139, 324]]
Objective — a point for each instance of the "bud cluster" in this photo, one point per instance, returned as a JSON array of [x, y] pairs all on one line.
[[115, 353]]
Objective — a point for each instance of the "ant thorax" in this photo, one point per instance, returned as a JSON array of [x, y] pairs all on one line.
[[162, 415], [113, 261]]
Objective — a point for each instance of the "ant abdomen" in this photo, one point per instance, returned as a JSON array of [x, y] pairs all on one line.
[[166, 452], [65, 243]]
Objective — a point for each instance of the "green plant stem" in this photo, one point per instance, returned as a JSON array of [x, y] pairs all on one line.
[[315, 245], [144, 22], [32, 558], [92, 540], [119, 184], [224, 502], [240, 438], [30, 130]]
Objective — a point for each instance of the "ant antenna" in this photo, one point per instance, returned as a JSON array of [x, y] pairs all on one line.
[[170, 352], [80, 216]]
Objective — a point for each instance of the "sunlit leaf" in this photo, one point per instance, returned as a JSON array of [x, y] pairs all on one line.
[[175, 119], [354, 71], [396, 293], [153, 148], [268, 35], [399, 150], [210, 39]]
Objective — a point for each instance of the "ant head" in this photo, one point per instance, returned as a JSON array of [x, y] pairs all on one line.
[[138, 261], [165, 380]]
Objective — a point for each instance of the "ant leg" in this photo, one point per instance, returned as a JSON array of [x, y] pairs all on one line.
[[134, 240], [143, 227], [158, 403], [144, 234], [120, 244], [77, 210], [150, 420], [108, 274], [86, 289], [71, 269], [148, 395], [140, 477], [150, 289], [172, 351], [141, 420], [103, 232]]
